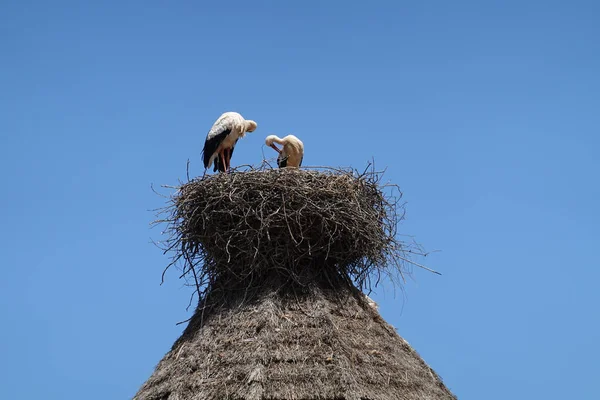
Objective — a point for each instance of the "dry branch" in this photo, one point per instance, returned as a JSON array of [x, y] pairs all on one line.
[[286, 226]]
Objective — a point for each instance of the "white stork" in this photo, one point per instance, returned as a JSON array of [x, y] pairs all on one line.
[[222, 137], [291, 154]]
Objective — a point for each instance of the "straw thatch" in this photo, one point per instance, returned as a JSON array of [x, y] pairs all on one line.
[[278, 258], [323, 345]]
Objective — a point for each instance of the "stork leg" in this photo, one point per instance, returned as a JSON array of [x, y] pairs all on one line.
[[227, 161], [222, 155]]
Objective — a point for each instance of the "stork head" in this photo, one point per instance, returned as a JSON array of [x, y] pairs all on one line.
[[269, 142], [250, 125]]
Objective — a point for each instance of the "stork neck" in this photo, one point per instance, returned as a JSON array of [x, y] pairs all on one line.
[[279, 140]]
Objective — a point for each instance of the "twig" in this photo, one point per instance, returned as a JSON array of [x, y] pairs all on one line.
[[236, 233]]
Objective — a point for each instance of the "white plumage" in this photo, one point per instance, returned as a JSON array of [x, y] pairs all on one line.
[[222, 137], [291, 154]]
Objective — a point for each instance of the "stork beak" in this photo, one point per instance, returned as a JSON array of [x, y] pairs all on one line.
[[275, 148]]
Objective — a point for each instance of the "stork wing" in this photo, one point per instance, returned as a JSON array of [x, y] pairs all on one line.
[[215, 136], [282, 161]]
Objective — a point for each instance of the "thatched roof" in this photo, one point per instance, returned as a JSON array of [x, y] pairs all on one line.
[[277, 258], [322, 345]]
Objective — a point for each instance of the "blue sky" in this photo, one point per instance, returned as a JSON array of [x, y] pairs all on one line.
[[485, 113]]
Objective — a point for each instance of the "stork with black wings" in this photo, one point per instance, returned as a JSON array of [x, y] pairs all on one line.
[[221, 140], [291, 154]]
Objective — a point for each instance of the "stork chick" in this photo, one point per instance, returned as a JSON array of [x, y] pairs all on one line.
[[222, 137], [291, 154]]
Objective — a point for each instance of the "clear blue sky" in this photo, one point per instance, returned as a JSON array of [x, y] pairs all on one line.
[[486, 113]]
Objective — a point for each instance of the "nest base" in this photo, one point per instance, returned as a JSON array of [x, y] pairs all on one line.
[[247, 229]]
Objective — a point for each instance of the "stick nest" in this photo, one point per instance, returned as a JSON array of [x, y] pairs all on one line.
[[285, 226]]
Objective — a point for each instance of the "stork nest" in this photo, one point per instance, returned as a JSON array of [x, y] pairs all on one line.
[[286, 226]]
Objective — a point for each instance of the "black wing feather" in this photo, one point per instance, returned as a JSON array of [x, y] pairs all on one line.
[[211, 144], [218, 166], [282, 161]]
